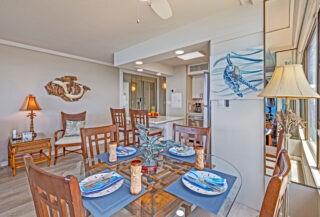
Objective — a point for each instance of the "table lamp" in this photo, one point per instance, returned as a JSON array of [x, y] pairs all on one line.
[[288, 82], [30, 104]]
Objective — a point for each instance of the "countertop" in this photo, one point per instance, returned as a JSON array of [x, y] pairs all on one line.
[[195, 114], [164, 119]]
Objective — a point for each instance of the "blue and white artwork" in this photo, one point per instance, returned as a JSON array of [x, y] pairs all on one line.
[[238, 74]]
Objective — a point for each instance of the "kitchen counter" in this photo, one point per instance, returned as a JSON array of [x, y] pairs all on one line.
[[164, 119], [195, 114], [166, 123]]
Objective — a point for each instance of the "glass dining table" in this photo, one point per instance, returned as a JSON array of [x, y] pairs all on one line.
[[156, 201]]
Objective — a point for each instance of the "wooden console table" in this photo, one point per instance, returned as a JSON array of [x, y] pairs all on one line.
[[17, 149]]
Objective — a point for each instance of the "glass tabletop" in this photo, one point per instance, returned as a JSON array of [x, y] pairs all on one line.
[[158, 202]]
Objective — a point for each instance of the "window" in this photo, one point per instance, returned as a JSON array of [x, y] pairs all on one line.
[[311, 66]]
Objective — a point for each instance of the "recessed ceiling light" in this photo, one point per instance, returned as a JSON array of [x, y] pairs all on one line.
[[191, 55], [140, 70], [159, 74], [179, 52], [180, 212], [139, 62]]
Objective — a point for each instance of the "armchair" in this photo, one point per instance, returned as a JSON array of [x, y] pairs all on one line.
[[64, 142]]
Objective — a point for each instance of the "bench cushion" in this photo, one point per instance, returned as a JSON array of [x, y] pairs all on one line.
[[69, 140]]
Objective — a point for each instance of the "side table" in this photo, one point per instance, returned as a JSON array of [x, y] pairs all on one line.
[[18, 148]]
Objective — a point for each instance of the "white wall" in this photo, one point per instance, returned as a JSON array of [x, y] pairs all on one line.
[[238, 131], [178, 83], [24, 72]]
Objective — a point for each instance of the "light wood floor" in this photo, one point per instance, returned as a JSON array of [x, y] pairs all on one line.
[[16, 200]]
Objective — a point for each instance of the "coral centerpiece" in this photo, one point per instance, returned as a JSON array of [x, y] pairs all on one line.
[[150, 147]]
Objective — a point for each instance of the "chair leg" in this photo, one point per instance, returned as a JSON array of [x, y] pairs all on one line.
[[55, 154], [64, 151]]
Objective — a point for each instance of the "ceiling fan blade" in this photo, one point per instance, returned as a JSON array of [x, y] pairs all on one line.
[[162, 8]]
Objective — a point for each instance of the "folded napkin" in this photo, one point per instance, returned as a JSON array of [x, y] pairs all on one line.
[[100, 184], [122, 151]]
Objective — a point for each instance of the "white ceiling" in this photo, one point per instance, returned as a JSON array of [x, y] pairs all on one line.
[[95, 28], [172, 60]]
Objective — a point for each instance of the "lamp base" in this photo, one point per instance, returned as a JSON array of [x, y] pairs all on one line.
[[32, 115]]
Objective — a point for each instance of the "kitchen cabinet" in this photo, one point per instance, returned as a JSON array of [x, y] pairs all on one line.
[[197, 86]]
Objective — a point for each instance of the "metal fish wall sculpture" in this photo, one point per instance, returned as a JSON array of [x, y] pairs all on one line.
[[67, 88]]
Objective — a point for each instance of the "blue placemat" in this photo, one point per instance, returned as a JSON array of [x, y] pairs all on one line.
[[112, 203], [105, 157], [210, 203], [190, 159]]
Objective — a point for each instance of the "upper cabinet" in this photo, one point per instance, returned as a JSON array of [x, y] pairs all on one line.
[[197, 87]]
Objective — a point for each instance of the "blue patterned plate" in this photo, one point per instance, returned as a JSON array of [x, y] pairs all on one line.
[[183, 151], [100, 184], [204, 182], [125, 151]]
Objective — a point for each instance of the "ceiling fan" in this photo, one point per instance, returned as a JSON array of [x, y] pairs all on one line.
[[161, 7]]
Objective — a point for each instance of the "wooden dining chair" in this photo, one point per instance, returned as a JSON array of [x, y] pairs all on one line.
[[141, 117], [95, 141], [192, 135], [119, 117], [277, 186], [53, 195], [65, 142], [270, 157]]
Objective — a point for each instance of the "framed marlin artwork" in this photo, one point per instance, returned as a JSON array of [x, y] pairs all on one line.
[[237, 74]]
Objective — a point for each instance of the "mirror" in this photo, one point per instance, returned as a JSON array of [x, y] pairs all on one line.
[[290, 38]]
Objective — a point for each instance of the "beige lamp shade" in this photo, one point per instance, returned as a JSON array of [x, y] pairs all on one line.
[[30, 104], [289, 81]]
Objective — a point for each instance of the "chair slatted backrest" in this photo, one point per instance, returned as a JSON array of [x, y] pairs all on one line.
[[277, 186], [139, 117], [96, 140], [119, 117], [198, 136], [72, 117], [53, 195]]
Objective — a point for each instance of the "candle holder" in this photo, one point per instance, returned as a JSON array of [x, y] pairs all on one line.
[[135, 187], [199, 165], [113, 152]]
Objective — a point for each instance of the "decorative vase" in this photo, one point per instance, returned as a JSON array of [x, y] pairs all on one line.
[[199, 165], [135, 187], [113, 152], [150, 169]]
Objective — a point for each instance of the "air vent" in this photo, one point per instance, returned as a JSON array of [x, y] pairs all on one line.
[[198, 68]]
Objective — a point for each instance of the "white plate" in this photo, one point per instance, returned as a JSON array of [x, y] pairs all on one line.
[[203, 191], [182, 151], [131, 151], [103, 192]]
